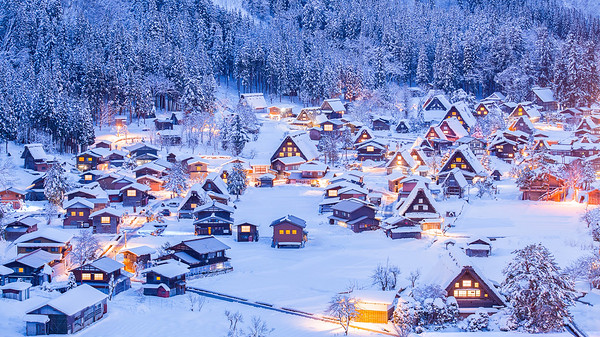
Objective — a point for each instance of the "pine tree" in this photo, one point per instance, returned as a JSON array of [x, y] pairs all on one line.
[[71, 283], [538, 292], [403, 319], [55, 185], [237, 180], [237, 136], [177, 178], [423, 68]]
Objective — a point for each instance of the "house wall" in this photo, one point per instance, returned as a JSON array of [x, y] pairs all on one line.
[[110, 228], [77, 221], [279, 236]]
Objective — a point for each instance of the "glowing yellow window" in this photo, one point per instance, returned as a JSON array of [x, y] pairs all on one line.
[[131, 193], [86, 276], [81, 159], [88, 177], [105, 219], [328, 127], [158, 278], [458, 159], [456, 285], [289, 154], [370, 148], [245, 229], [473, 293], [365, 135], [333, 193], [89, 158], [281, 154], [463, 166], [287, 231], [73, 213], [452, 165], [289, 143], [193, 205], [476, 284], [294, 231], [80, 213], [466, 283], [98, 277], [20, 270], [297, 154], [281, 231], [453, 113]]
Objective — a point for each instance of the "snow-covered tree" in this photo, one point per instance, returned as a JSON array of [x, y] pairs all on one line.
[[478, 321], [55, 184], [71, 282], [344, 309], [329, 145], [403, 319], [237, 180], [538, 292], [385, 276], [85, 249], [586, 268], [176, 179], [234, 318], [237, 136], [258, 328], [111, 287]]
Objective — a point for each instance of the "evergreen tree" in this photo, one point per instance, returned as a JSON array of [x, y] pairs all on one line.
[[55, 184], [538, 292], [237, 136], [237, 180], [72, 282], [423, 68], [177, 178]]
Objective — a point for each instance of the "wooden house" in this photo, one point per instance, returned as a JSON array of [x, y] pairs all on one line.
[[106, 221], [213, 218], [150, 169], [135, 195], [587, 125], [137, 258], [143, 153], [503, 147], [166, 279], [103, 144], [401, 161], [204, 255], [354, 214], [92, 193], [545, 187], [455, 183], [463, 159], [434, 132], [16, 291], [477, 146], [471, 290], [435, 108], [100, 273], [163, 124], [35, 191], [333, 108], [91, 160], [266, 180], [289, 231], [78, 213], [48, 239], [481, 110], [67, 313], [296, 145], [247, 232], [307, 116], [461, 112], [313, 169], [12, 196], [90, 176], [399, 227], [281, 111], [403, 126], [381, 124], [394, 181], [526, 110], [287, 164], [4, 272], [195, 197], [371, 150], [35, 158], [197, 167], [544, 97], [478, 247], [352, 191], [155, 184], [420, 205], [496, 97], [374, 306], [256, 101], [16, 228], [363, 135], [116, 157], [34, 267], [331, 127], [216, 188], [522, 124]]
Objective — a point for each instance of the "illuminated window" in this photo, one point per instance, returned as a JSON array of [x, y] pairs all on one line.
[[98, 277], [289, 143], [281, 154], [466, 283], [474, 293], [80, 213], [297, 154], [105, 219], [453, 113], [294, 231], [158, 278], [281, 231], [365, 135], [328, 127], [81, 159], [86, 276], [289, 149], [463, 166], [476, 284], [456, 285], [73, 213], [20, 270], [89, 158], [458, 159], [245, 229], [88, 177], [131, 193], [452, 165], [287, 231], [333, 193], [194, 205], [370, 148]]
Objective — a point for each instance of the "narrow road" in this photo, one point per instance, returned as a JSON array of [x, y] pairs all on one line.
[[267, 306]]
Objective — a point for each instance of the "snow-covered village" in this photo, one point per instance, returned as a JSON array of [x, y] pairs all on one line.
[[299, 168]]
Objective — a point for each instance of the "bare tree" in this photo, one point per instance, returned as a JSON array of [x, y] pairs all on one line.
[[258, 328], [344, 309], [85, 249], [234, 319], [414, 277], [386, 276], [196, 302]]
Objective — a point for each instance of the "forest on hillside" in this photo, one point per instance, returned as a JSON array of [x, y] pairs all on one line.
[[69, 65]]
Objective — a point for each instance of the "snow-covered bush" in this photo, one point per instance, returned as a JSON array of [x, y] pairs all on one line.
[[478, 321]]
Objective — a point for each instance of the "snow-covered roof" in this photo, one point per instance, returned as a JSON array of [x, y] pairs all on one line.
[[5, 270], [458, 175], [36, 318], [27, 221], [291, 160], [360, 132], [544, 94], [465, 113], [335, 104], [139, 250], [51, 234], [469, 158], [152, 166], [136, 186], [305, 145], [403, 208], [349, 205], [267, 176], [170, 269], [455, 125], [213, 203], [36, 151], [216, 179], [375, 296], [149, 177], [76, 299], [138, 146], [255, 100], [290, 218], [108, 210], [78, 203], [107, 265], [38, 258], [205, 245]]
